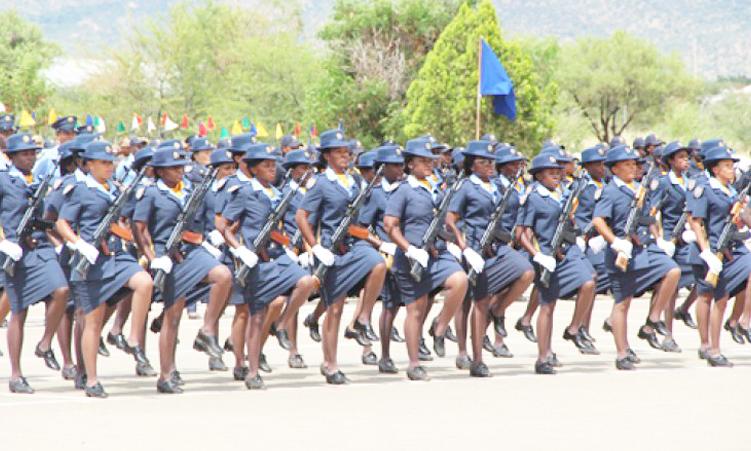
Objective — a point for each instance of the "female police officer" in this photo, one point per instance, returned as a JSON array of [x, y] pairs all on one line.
[[504, 270], [408, 214], [356, 263], [111, 270]]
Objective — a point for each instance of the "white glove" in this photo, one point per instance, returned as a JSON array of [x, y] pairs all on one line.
[[164, 263], [305, 260], [11, 249], [324, 255], [688, 236], [71, 246], [420, 255], [597, 244], [58, 249], [667, 246], [622, 246], [546, 261], [714, 263], [581, 243], [292, 256], [474, 259], [216, 238], [216, 253], [388, 248], [454, 250], [87, 250], [248, 257]]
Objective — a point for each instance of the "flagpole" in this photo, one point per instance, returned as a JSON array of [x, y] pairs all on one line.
[[479, 81]]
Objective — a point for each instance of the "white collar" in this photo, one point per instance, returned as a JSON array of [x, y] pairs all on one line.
[[543, 191], [618, 182], [504, 180], [489, 186], [296, 186], [334, 177], [79, 175], [729, 190], [91, 182], [179, 196], [14, 172], [388, 187], [414, 183], [675, 181], [241, 176], [257, 186]]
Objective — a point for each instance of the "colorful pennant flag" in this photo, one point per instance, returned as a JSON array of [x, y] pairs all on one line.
[[120, 127], [150, 126], [298, 130], [210, 124], [202, 129], [99, 124], [51, 116], [279, 132], [136, 122], [26, 120], [237, 128], [184, 122], [261, 131], [168, 124], [246, 123], [224, 134]]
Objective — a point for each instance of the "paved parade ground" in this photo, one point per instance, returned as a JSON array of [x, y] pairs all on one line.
[[673, 401]]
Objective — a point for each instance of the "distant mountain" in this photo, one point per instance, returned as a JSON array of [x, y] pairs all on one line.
[[712, 36]]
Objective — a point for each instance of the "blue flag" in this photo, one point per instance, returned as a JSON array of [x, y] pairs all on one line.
[[495, 82]]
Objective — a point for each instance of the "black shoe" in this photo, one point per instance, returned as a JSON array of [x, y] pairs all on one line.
[[528, 331], [658, 326], [138, 353], [719, 361], [283, 337], [176, 379], [80, 381], [370, 333], [607, 327], [156, 324], [97, 391], [669, 345], [463, 362], [439, 345], [217, 364], [417, 373], [358, 335], [387, 366], [20, 386], [4, 324], [369, 359], [272, 330], [552, 359], [650, 337], [395, 337], [499, 324], [746, 333], [145, 370], [734, 332], [624, 364], [296, 361], [590, 347], [103, 351], [208, 344], [337, 378], [228, 346], [254, 383], [240, 373], [263, 365], [582, 345], [69, 372], [502, 351], [544, 367], [703, 354], [315, 334], [449, 334], [631, 355], [685, 317], [424, 354], [479, 369], [168, 387], [49, 358], [487, 344], [117, 341], [584, 332]]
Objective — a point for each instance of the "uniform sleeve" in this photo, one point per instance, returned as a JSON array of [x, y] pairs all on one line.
[[699, 206], [604, 206], [397, 202], [583, 214], [369, 211], [234, 208], [313, 198], [658, 195], [71, 206], [527, 213], [459, 201], [144, 207]]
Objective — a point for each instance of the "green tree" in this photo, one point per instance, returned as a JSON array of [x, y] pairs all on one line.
[[620, 82], [441, 100], [24, 54]]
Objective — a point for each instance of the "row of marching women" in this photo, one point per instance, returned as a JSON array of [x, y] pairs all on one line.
[[98, 237]]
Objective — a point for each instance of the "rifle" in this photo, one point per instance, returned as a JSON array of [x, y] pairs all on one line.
[[187, 213], [344, 227], [28, 222], [565, 231], [436, 225], [103, 230], [634, 218], [729, 233], [492, 232], [268, 230]]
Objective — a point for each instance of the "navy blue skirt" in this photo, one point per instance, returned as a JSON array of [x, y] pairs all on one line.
[[433, 277], [106, 286], [269, 280], [500, 271], [194, 268], [683, 259], [598, 263], [570, 274], [653, 265], [36, 276], [348, 273], [732, 279]]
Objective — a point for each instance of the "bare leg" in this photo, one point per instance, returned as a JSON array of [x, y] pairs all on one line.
[[330, 335], [4, 306], [386, 323], [220, 279], [455, 288], [619, 320], [121, 315], [168, 338], [15, 342], [65, 338], [413, 329], [534, 302], [663, 293], [715, 325], [371, 290], [479, 327], [544, 330], [746, 316], [55, 310], [583, 303], [297, 298], [142, 287], [239, 326], [461, 322], [703, 304], [90, 341]]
